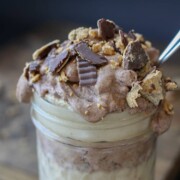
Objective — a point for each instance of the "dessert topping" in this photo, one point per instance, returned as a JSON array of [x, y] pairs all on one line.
[[26, 71], [152, 87], [168, 108], [34, 67], [108, 50], [57, 63], [133, 94], [85, 53], [63, 77], [96, 47], [170, 85], [43, 51], [87, 73], [35, 78], [78, 34], [106, 28], [93, 33], [123, 38], [134, 56]]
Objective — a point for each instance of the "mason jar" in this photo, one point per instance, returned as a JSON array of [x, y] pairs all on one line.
[[119, 147]]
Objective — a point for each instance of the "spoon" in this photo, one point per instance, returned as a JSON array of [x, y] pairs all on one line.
[[173, 46]]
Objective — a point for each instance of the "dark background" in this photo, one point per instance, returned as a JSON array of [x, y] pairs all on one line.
[[158, 20], [26, 25]]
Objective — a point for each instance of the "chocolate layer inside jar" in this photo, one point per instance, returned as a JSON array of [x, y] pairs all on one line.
[[117, 155]]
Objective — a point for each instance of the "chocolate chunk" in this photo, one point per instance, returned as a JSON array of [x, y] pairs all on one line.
[[134, 56], [57, 63], [34, 67], [106, 28], [66, 43], [43, 51], [85, 53], [72, 50], [123, 38], [87, 73], [132, 35]]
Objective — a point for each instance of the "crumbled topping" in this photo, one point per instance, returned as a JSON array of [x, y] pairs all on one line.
[[108, 50], [144, 47], [82, 34], [168, 108], [139, 37], [78, 34], [93, 33], [44, 50], [119, 44], [97, 47], [133, 94], [35, 78], [148, 44], [152, 87], [120, 58], [115, 64], [58, 50], [171, 86], [71, 93], [63, 77]]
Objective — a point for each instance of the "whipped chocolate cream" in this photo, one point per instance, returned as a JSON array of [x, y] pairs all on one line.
[[97, 72]]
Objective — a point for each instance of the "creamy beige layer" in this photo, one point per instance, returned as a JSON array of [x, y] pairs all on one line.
[[51, 170], [63, 121]]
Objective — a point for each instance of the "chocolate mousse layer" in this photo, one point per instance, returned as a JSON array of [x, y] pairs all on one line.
[[98, 71]]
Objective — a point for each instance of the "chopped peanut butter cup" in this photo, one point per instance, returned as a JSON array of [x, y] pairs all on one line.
[[87, 73], [106, 28], [85, 53], [57, 63], [43, 51], [134, 56]]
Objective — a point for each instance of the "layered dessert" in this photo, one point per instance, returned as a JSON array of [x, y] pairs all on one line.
[[100, 79]]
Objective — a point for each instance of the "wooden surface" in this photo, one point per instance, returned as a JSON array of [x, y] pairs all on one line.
[[17, 134], [7, 173]]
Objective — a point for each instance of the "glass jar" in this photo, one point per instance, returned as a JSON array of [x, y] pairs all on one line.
[[121, 146]]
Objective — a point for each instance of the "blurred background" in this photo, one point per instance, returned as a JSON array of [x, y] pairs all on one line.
[[27, 25]]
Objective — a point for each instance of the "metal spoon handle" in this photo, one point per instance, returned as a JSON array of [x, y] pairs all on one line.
[[173, 46]]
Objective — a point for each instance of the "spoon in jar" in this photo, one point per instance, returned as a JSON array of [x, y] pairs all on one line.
[[173, 46]]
